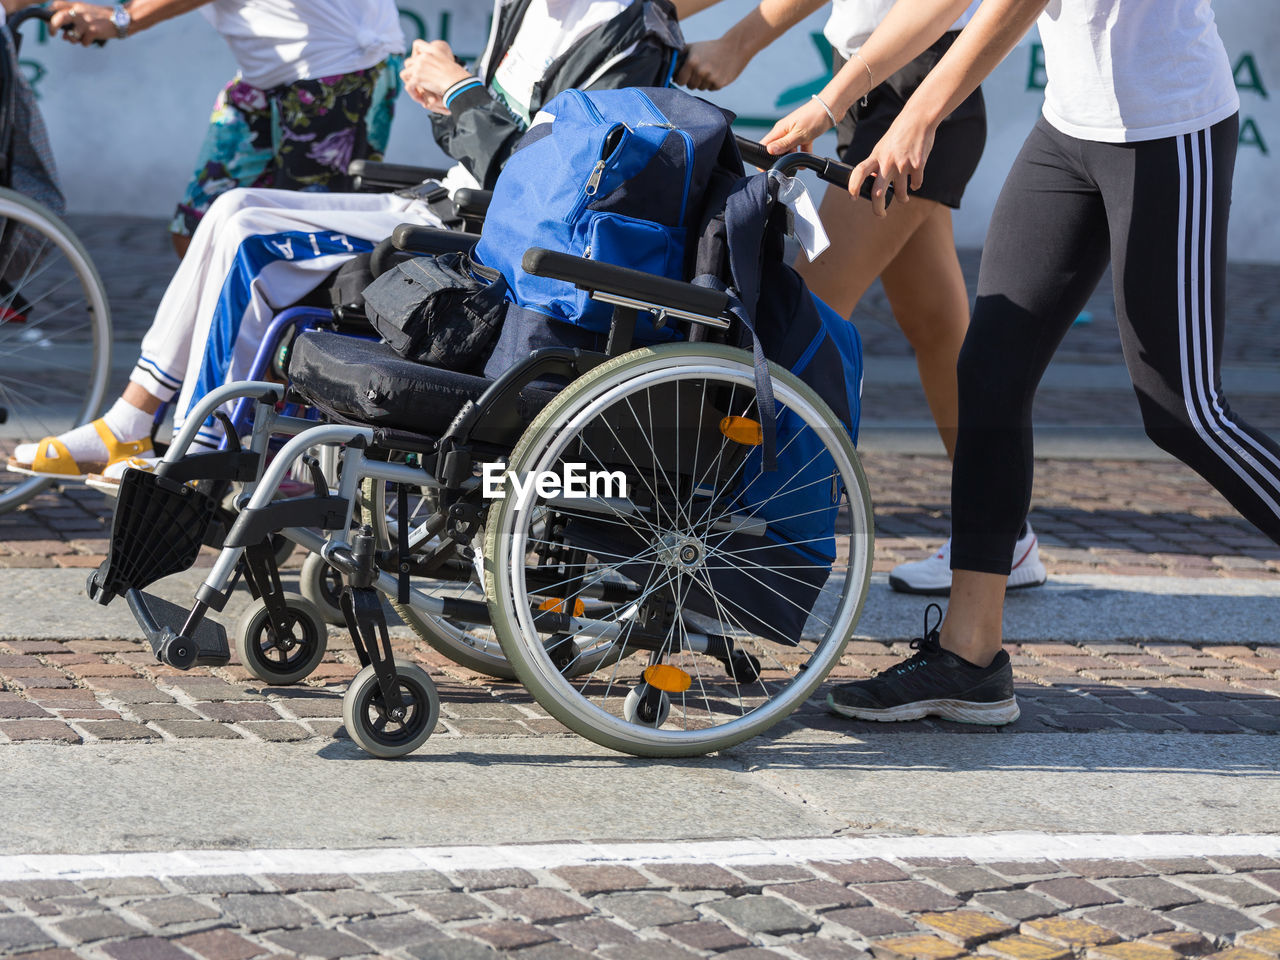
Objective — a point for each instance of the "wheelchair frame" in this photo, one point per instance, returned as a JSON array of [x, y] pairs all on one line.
[[402, 697]]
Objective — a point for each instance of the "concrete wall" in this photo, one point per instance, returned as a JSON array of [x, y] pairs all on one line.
[[126, 120]]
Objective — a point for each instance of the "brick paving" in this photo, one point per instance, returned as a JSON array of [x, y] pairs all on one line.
[[804, 910], [83, 691]]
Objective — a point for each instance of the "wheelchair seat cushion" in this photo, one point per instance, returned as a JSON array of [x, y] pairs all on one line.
[[368, 382]]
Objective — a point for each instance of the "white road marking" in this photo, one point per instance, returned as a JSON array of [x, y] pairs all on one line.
[[543, 856]]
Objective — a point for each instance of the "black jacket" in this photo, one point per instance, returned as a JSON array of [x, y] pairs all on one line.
[[480, 131]]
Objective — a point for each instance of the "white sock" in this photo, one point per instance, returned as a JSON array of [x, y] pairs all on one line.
[[128, 422], [124, 420]]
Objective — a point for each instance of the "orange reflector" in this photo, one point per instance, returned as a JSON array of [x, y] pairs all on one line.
[[742, 430], [556, 605], [667, 678]]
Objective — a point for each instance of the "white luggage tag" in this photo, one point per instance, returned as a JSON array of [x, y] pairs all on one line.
[[806, 223]]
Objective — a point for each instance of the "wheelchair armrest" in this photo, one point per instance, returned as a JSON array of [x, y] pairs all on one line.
[[376, 175], [426, 240], [472, 204], [643, 290]]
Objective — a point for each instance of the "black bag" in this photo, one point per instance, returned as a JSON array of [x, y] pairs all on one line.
[[441, 310], [347, 286]]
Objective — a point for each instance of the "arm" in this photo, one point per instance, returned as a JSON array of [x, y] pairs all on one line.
[[471, 125], [481, 133], [906, 32], [712, 64], [900, 156], [687, 8], [86, 22]]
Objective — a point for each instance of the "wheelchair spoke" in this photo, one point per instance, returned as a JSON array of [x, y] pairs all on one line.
[[724, 618]]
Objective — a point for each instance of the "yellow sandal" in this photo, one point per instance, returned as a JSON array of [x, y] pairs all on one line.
[[54, 460]]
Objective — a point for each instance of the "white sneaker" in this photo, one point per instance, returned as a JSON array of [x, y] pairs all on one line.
[[932, 576]]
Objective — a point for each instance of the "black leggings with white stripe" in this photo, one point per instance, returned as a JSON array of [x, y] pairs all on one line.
[[1158, 211]]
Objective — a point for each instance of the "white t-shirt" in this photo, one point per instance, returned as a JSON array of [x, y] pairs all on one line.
[[1125, 70], [548, 30], [852, 21], [282, 41]]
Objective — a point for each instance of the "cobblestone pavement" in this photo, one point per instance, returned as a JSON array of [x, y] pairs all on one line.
[[917, 909], [82, 691], [1097, 409], [1095, 516]]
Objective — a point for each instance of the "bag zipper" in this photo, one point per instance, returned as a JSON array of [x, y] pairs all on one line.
[[593, 182], [688, 150]]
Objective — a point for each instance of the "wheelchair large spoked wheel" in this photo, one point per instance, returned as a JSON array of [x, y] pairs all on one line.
[[718, 620], [55, 335]]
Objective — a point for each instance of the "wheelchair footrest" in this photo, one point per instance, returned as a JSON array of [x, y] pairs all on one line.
[[157, 531], [163, 622]]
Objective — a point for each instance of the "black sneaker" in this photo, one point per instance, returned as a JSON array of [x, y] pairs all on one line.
[[932, 683]]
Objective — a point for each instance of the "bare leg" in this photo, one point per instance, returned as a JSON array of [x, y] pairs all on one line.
[[862, 246], [139, 397], [931, 304], [914, 241], [974, 625], [180, 244]]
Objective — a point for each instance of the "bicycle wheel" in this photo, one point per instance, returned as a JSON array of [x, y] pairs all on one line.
[[721, 616], [55, 334]]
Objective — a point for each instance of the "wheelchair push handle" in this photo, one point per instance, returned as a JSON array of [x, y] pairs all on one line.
[[15, 20], [832, 171]]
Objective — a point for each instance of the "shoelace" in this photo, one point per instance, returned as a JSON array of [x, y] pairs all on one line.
[[926, 645]]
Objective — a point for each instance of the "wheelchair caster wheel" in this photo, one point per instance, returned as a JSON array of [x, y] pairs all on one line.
[[284, 660], [373, 727], [646, 706], [322, 585], [743, 667]]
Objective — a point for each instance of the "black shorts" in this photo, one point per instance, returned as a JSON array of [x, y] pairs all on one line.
[[957, 148]]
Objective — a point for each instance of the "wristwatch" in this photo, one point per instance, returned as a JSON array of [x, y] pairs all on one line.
[[121, 18]]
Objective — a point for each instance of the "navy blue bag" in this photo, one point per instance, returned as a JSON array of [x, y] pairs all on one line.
[[772, 585], [613, 175]]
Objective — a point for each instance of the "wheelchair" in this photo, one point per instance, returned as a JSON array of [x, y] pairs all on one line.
[[659, 613]]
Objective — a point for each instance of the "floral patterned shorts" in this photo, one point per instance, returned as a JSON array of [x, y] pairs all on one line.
[[300, 136]]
